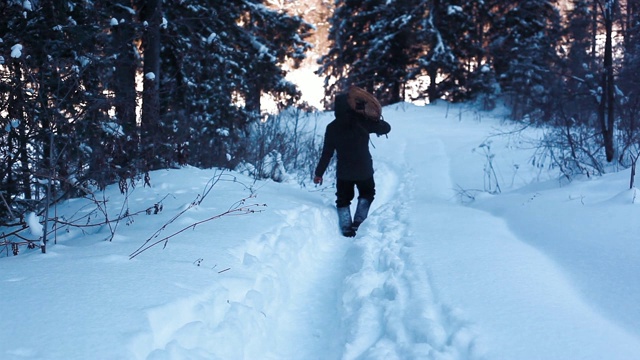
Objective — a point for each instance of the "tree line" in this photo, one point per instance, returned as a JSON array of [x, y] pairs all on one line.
[[101, 92]]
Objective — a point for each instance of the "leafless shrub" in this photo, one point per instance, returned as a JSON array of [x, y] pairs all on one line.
[[95, 216], [283, 146]]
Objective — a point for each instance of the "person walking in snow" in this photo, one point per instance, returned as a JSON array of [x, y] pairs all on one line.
[[348, 137]]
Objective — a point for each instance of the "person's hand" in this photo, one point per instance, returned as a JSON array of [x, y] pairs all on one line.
[[317, 180]]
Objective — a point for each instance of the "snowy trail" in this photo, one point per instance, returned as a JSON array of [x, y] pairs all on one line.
[[388, 300], [362, 298], [393, 292], [288, 289], [312, 299]]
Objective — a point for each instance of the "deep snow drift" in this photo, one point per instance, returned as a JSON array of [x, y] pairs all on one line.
[[544, 270]]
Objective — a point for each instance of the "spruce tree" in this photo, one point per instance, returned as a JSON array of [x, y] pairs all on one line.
[[580, 64], [455, 59], [474, 77], [349, 39], [396, 45], [374, 44], [524, 51], [439, 61], [269, 38], [51, 96], [217, 61]]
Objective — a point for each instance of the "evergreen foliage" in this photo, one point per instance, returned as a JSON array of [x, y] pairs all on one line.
[[580, 66], [73, 115], [524, 52], [97, 92], [345, 62], [629, 85]]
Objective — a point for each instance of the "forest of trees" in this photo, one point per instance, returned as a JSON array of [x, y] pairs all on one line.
[[100, 92]]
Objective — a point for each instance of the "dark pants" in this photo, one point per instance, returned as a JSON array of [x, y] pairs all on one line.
[[345, 191]]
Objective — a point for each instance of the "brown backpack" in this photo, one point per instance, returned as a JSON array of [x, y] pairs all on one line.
[[364, 103]]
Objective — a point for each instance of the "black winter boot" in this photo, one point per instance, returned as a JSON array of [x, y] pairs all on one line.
[[344, 220], [361, 213]]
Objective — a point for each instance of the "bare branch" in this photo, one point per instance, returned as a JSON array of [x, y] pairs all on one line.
[[238, 208]]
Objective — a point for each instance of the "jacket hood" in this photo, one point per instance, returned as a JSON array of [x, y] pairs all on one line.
[[341, 107]]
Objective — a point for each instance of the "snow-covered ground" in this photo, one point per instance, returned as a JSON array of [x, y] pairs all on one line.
[[544, 270]]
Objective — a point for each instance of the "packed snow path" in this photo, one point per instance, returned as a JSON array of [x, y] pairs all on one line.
[[347, 298]]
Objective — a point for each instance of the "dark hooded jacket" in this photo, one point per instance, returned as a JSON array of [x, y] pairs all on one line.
[[348, 136]]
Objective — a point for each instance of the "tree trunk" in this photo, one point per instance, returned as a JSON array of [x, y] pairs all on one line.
[[16, 111], [24, 161], [124, 87], [607, 101], [433, 86], [594, 31], [253, 101], [151, 131]]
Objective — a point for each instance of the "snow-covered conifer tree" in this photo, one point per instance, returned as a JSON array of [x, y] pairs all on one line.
[[217, 60], [373, 45], [524, 52]]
